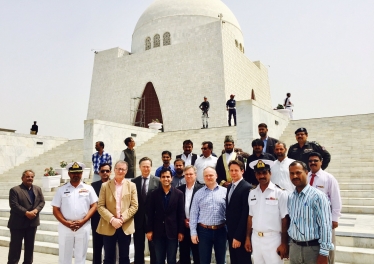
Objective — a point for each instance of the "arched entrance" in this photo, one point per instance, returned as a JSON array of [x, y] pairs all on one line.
[[149, 107]]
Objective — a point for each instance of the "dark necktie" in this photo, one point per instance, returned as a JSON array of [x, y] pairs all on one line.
[[231, 191], [144, 188], [312, 179]]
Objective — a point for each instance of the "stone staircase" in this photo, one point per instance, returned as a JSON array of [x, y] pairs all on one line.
[[350, 141]]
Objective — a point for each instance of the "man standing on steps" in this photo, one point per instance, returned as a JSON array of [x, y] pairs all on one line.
[[166, 158], [269, 142], [288, 105], [326, 183], [310, 220], [74, 217], [97, 239], [280, 173], [301, 150], [145, 184], [129, 156], [178, 178], [187, 155], [98, 158], [204, 107], [231, 108], [25, 201], [207, 159]]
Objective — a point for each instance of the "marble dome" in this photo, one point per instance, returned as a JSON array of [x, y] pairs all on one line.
[[200, 8]]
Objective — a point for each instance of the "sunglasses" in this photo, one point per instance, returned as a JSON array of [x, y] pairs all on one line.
[[204, 148], [315, 161], [105, 171]]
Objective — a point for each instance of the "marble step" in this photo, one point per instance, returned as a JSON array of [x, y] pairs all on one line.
[[355, 241], [354, 255], [44, 225], [46, 216], [355, 209], [356, 193], [358, 201]]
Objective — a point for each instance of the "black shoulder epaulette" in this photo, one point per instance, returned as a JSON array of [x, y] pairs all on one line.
[[280, 187], [315, 143]]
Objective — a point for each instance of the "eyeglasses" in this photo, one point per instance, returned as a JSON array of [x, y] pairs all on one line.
[[204, 148], [121, 169], [315, 161], [105, 171]]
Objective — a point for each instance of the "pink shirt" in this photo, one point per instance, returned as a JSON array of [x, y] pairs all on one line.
[[118, 197]]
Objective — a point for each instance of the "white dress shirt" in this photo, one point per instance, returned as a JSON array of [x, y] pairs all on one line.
[[201, 163], [327, 183], [188, 199], [280, 174], [187, 159]]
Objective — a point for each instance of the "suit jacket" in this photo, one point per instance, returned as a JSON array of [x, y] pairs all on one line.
[[96, 217], [237, 211], [270, 146], [193, 158], [140, 216], [20, 203], [166, 221], [220, 169], [107, 207], [183, 187]]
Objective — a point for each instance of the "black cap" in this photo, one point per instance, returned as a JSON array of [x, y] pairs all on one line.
[[301, 129]]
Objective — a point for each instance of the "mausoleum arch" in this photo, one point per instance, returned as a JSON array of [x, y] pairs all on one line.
[[236, 43], [148, 43], [166, 39], [156, 41]]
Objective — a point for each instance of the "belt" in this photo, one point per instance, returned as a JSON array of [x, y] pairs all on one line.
[[213, 227], [289, 106], [266, 234], [306, 243], [231, 107]]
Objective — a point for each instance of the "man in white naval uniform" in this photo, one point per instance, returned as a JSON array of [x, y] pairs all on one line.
[[268, 219], [73, 205]]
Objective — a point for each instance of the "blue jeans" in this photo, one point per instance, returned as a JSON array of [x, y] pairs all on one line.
[[209, 238], [123, 247], [166, 248]]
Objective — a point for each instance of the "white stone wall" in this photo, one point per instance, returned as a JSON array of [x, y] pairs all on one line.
[[113, 136], [16, 149], [250, 114], [181, 74]]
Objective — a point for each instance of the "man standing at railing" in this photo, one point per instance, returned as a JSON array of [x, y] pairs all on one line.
[[204, 106]]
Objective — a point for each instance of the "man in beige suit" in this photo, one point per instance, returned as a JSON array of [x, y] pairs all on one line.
[[118, 203]]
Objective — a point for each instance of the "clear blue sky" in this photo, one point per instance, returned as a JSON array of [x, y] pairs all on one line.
[[320, 51]]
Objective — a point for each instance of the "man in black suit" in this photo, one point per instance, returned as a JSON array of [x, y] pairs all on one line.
[[269, 142], [145, 184], [26, 201], [189, 189], [237, 213], [165, 214], [97, 239], [187, 155]]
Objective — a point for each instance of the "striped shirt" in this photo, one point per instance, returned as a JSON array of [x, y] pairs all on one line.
[[97, 160], [310, 216], [208, 207]]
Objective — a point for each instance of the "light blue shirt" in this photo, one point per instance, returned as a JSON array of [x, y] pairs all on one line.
[[310, 215], [265, 144], [208, 207]]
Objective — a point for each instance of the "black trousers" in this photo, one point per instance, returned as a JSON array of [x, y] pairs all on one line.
[[97, 245], [185, 248], [239, 255], [139, 246], [15, 245], [232, 112]]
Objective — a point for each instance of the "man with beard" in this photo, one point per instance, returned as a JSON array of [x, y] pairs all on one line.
[[222, 168], [258, 154], [74, 217], [326, 183], [129, 156], [26, 201], [98, 158], [166, 158], [268, 219], [187, 155], [207, 159], [301, 150], [269, 142], [97, 239], [280, 174], [310, 215], [178, 178]]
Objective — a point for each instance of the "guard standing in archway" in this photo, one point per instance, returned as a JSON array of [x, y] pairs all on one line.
[[231, 108]]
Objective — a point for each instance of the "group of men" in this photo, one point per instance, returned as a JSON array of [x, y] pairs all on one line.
[[268, 204]]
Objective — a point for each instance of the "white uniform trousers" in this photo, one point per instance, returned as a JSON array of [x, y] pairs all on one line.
[[264, 249], [70, 241], [289, 108]]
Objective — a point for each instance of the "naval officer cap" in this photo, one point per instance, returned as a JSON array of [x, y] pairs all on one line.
[[301, 129], [75, 167], [261, 165]]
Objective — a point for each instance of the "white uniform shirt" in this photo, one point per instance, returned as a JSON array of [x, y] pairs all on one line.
[[267, 208], [187, 159], [74, 203], [188, 200], [201, 163], [280, 174], [327, 183]]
